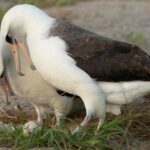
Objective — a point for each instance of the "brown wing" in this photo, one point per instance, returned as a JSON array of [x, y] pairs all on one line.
[[102, 58]]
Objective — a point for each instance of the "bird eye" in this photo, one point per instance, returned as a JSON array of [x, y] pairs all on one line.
[[9, 39]]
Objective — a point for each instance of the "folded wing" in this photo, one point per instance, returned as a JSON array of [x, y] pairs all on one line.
[[103, 58]]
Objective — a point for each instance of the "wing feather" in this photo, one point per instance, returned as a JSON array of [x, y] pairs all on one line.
[[103, 58]]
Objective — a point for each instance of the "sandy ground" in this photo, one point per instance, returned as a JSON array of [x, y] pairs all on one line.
[[113, 18]]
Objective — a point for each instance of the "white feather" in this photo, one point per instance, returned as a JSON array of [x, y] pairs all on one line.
[[51, 59]]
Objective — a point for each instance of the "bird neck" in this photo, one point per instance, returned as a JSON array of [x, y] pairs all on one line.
[[1, 61], [37, 26]]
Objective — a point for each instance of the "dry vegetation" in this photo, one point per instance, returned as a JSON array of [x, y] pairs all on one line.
[[116, 131]]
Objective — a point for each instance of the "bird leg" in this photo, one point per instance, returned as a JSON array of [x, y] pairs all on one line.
[[59, 115], [30, 126], [101, 121], [83, 123]]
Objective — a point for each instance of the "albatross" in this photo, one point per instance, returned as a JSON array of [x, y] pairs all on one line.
[[117, 93], [51, 58], [70, 58]]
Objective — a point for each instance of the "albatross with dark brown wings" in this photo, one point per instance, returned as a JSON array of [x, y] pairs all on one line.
[[70, 58], [103, 58]]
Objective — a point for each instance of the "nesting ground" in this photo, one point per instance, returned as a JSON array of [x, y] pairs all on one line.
[[121, 20]]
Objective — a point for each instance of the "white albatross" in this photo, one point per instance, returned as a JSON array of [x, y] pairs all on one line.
[[117, 94], [50, 57], [50, 43]]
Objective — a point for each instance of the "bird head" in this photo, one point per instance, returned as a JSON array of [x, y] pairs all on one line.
[[13, 31]]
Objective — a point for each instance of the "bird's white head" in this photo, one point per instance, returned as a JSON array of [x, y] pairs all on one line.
[[18, 23], [21, 19], [13, 23], [14, 26]]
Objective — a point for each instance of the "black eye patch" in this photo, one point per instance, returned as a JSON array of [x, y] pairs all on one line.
[[9, 39]]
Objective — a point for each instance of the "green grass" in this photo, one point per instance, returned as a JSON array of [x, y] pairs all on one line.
[[49, 2], [40, 3], [2, 12], [116, 129], [137, 38]]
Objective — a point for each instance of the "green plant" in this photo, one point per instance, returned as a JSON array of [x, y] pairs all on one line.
[[49, 2], [137, 38], [65, 2], [2, 12], [59, 137]]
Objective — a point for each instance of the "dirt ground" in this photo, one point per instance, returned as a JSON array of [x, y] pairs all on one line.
[[117, 19], [113, 18]]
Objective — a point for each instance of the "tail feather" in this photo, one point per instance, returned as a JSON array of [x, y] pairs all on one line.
[[124, 92], [94, 100]]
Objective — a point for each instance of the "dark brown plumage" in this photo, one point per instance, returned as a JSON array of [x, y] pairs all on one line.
[[103, 58]]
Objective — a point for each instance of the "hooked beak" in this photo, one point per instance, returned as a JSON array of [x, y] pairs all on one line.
[[27, 55], [15, 51]]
